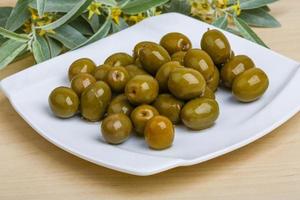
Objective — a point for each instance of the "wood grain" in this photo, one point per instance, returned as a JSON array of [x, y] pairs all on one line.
[[32, 168]]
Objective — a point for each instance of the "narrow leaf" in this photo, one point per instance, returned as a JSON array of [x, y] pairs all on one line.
[[18, 15], [259, 17], [108, 2], [179, 6], [251, 4], [82, 26], [118, 27], [62, 6], [246, 31], [4, 14], [54, 47], [233, 31], [72, 14], [41, 5], [266, 8], [93, 22], [9, 51], [137, 6], [68, 36], [221, 22], [40, 49], [101, 33], [13, 35]]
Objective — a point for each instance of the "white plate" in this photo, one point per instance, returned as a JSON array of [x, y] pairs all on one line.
[[238, 124]]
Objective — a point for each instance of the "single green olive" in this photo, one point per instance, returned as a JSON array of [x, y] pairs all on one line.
[[208, 93], [119, 59], [139, 46], [63, 102], [94, 101], [138, 63], [140, 115], [178, 56], [215, 43], [186, 83], [82, 65], [116, 128], [117, 78], [174, 42], [214, 81], [101, 72], [235, 66], [163, 73], [159, 133], [141, 89], [200, 113], [169, 106], [200, 61], [81, 81], [250, 85], [120, 104], [134, 70], [153, 57]]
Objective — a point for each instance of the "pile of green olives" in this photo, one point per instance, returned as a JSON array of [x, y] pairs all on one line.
[[157, 87]]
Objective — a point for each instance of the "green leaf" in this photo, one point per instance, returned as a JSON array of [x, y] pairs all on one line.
[[101, 33], [122, 3], [137, 6], [233, 31], [259, 17], [12, 35], [56, 5], [69, 16], [41, 4], [18, 15], [179, 6], [251, 4], [246, 31], [68, 36], [4, 14], [9, 50], [266, 8], [118, 27], [93, 22], [221, 22], [82, 26], [108, 2], [54, 47], [40, 49]]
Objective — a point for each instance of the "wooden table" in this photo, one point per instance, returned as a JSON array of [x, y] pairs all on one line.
[[32, 168]]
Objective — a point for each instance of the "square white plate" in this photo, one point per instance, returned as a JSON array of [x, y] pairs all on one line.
[[238, 124]]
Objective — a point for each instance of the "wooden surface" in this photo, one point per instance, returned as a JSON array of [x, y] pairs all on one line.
[[32, 168]]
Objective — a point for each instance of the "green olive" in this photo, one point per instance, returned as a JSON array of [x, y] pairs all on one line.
[[200, 61], [200, 113], [138, 63], [141, 89], [235, 66], [82, 65], [134, 70], [215, 43], [120, 104], [186, 83], [63, 102], [116, 128], [179, 57], [119, 59], [174, 42], [153, 57], [139, 46], [101, 72], [163, 73], [140, 116], [117, 78], [214, 81], [208, 93], [169, 106], [81, 81], [94, 101], [250, 85], [159, 133]]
